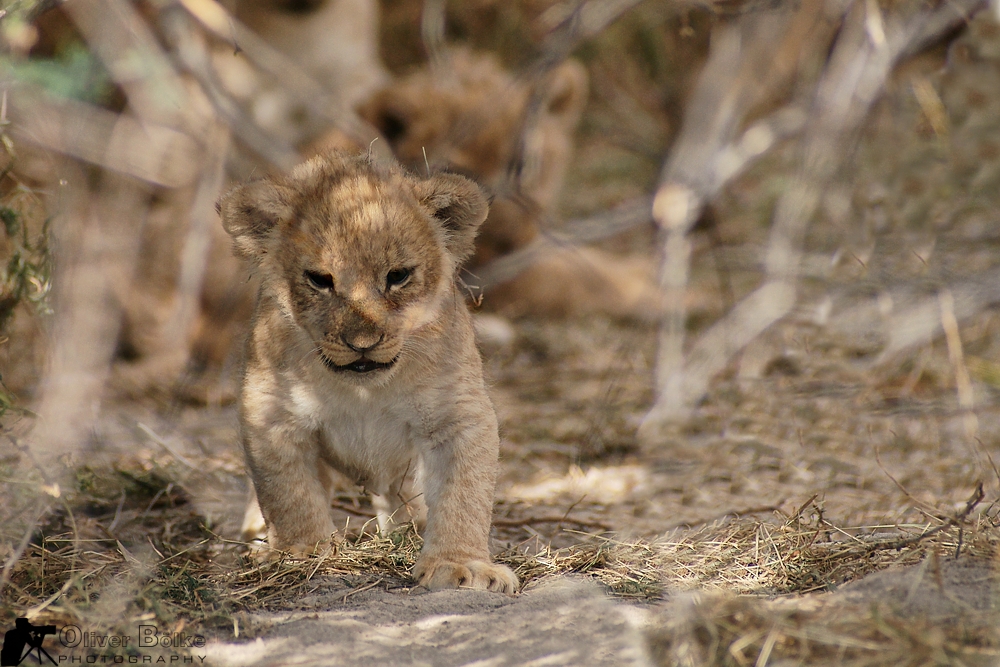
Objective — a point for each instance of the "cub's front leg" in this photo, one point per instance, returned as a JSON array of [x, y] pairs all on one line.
[[291, 486], [461, 468]]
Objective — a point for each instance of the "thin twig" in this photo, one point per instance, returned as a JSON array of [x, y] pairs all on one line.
[[367, 587], [957, 520], [914, 499], [528, 520], [167, 446], [191, 52]]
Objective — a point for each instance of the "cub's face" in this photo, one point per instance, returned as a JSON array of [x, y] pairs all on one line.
[[364, 271], [359, 256]]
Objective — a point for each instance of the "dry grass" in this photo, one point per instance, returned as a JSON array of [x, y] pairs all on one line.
[[729, 630], [126, 546]]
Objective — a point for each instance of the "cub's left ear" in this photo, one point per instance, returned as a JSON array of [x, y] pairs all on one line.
[[459, 205]]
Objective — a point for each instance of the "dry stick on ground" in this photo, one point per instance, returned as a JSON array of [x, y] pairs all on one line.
[[867, 48], [954, 521], [528, 520], [956, 357]]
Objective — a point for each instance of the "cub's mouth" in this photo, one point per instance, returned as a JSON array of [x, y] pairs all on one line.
[[360, 365]]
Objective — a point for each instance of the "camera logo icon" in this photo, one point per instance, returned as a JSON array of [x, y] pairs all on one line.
[[24, 635]]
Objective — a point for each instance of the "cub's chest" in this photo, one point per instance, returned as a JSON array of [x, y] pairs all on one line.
[[363, 432]]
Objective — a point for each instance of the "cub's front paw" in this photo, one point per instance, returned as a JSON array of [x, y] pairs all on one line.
[[436, 573]]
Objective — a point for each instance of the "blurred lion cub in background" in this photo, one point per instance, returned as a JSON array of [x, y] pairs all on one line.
[[515, 136]]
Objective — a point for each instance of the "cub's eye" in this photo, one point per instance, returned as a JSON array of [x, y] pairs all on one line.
[[321, 281], [397, 277]]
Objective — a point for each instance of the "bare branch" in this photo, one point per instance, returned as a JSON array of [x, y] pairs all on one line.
[[96, 256], [191, 52], [706, 155], [628, 216], [432, 26], [194, 257], [867, 48], [151, 152], [297, 82]]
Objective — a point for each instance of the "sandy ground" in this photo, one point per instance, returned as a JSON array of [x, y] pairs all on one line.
[[562, 622], [571, 621]]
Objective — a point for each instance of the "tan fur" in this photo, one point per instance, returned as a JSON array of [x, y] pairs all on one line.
[[470, 116], [357, 263]]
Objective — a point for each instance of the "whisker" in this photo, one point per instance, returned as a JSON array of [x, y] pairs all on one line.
[[313, 350]]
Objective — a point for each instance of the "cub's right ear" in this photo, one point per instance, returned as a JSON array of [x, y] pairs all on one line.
[[459, 205], [251, 212]]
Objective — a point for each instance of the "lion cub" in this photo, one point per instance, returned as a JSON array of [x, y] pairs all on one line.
[[361, 357]]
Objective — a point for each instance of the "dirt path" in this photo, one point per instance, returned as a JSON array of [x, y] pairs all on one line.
[[564, 622], [899, 616]]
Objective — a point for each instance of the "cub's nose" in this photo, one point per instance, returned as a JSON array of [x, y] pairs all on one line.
[[361, 342]]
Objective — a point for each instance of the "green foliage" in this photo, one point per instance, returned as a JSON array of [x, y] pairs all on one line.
[[11, 221], [75, 73], [27, 276]]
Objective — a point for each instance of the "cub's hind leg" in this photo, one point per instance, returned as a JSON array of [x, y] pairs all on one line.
[[403, 503]]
